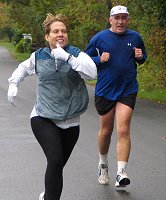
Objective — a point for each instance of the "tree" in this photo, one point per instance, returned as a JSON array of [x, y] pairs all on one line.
[[5, 25]]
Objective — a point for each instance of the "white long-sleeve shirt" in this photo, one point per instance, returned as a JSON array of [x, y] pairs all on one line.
[[85, 67]]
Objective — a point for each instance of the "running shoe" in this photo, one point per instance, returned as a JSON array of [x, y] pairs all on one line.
[[122, 180], [41, 196], [103, 174]]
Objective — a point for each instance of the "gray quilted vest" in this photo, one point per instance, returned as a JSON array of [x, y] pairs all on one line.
[[62, 93]]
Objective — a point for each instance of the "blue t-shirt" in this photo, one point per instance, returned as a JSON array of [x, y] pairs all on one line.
[[117, 77]]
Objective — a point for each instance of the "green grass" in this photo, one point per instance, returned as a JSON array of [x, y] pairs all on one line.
[[93, 82], [157, 95]]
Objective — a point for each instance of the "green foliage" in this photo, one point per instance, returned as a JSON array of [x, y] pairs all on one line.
[[85, 20], [20, 46], [17, 35], [24, 46], [27, 46]]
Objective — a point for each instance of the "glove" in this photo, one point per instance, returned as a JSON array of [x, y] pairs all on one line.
[[12, 92], [60, 53]]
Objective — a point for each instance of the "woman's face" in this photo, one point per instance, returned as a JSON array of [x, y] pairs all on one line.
[[58, 34]]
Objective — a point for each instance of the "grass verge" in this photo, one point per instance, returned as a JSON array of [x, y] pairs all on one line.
[[157, 95]]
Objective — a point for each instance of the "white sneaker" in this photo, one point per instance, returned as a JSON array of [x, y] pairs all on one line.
[[41, 196], [122, 180], [103, 174]]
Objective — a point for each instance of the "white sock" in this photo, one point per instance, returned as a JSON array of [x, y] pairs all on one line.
[[122, 165], [103, 159]]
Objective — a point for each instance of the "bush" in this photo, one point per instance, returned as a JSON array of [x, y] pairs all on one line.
[[20, 46], [16, 38], [24, 46]]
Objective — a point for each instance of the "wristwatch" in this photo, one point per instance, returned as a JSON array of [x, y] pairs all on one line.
[[69, 58]]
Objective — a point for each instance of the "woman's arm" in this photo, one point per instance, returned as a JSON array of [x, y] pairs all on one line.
[[24, 69], [85, 66]]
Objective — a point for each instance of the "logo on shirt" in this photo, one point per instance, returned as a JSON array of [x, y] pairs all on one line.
[[128, 44]]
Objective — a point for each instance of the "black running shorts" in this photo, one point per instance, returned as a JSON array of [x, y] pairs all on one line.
[[104, 105]]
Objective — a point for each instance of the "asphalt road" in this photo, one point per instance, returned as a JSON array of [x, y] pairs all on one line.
[[22, 163]]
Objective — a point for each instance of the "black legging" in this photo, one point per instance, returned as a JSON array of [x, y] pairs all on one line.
[[57, 145]]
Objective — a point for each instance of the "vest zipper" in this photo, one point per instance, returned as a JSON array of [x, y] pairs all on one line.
[[56, 65]]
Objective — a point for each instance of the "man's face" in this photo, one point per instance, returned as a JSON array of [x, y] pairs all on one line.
[[119, 23], [58, 34]]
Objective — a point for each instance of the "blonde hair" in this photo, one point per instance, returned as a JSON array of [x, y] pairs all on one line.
[[54, 18]]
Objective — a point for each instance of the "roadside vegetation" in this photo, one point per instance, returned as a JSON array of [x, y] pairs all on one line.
[[86, 17]]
